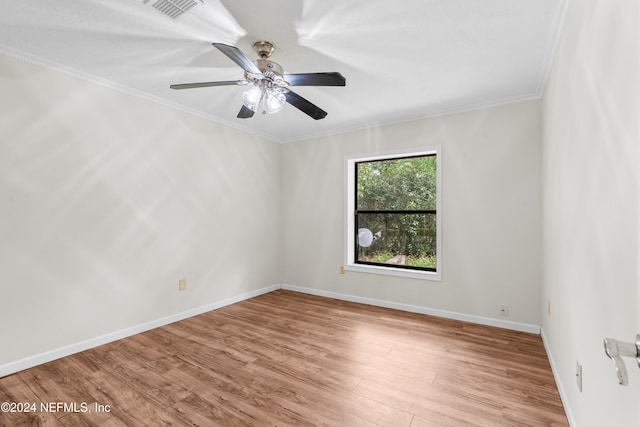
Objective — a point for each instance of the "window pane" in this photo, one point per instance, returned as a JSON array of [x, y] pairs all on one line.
[[397, 239], [397, 184]]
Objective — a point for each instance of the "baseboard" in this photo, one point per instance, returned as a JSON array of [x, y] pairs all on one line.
[[556, 376], [30, 362], [488, 321]]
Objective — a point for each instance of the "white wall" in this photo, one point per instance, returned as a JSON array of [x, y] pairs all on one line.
[[107, 200], [491, 213], [590, 216]]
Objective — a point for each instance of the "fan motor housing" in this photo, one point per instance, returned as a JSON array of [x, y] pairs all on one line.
[[268, 66]]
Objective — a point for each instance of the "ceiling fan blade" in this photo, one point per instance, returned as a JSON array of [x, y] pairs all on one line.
[[305, 106], [315, 79], [208, 84], [238, 57], [245, 113]]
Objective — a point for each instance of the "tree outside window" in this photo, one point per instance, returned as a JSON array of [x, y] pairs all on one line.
[[395, 212]]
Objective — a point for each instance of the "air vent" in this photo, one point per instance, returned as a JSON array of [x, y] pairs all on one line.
[[173, 8]]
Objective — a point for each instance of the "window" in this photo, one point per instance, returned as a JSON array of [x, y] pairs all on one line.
[[393, 214]]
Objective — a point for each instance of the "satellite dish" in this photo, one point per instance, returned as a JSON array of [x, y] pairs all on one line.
[[365, 237]]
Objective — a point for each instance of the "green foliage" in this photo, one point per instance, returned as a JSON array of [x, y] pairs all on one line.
[[381, 256], [407, 184], [397, 184], [424, 262]]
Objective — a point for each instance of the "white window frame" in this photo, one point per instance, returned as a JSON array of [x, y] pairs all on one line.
[[349, 239]]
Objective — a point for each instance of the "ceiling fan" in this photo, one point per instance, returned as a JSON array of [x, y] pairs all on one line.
[[269, 85]]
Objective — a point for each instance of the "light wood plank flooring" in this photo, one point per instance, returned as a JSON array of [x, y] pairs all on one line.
[[287, 358]]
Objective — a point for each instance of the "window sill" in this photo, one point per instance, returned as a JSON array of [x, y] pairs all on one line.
[[398, 272]]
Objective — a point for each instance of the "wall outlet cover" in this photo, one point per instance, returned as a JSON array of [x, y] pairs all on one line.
[[579, 376], [504, 310]]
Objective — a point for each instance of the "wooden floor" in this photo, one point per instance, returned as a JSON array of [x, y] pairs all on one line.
[[287, 358]]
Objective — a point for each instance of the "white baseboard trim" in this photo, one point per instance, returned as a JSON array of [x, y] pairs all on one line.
[[38, 359], [522, 327], [556, 376]]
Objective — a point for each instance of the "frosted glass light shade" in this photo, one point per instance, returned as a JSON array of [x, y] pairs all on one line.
[[274, 101], [269, 100], [252, 97]]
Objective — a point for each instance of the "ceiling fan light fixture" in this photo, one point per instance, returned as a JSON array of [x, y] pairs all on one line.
[[251, 98], [274, 101], [269, 100]]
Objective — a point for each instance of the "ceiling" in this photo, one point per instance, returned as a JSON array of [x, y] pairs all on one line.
[[402, 60]]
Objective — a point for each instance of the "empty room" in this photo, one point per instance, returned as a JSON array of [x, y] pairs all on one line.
[[306, 212]]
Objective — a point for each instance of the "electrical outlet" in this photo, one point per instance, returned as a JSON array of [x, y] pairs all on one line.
[[548, 307], [182, 285], [504, 310], [579, 376], [342, 269]]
